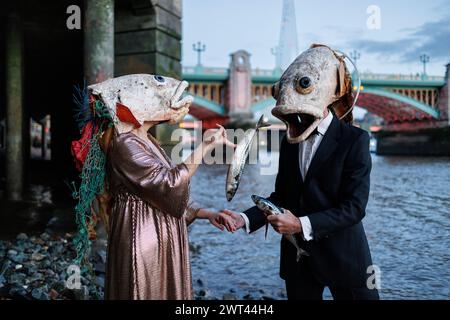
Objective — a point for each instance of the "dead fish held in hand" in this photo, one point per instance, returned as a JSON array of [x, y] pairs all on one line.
[[240, 158], [269, 208]]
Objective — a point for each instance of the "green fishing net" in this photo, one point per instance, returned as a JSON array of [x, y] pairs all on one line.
[[92, 184]]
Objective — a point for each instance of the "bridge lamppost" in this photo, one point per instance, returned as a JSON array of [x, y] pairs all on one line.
[[199, 48], [355, 55], [424, 59]]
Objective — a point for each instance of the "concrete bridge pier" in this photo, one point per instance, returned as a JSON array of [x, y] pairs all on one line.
[[239, 87], [99, 40], [15, 142]]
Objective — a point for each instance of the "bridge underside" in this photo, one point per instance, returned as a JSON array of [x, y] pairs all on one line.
[[208, 117], [392, 110]]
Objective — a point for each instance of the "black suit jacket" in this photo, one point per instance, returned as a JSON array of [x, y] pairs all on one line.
[[334, 197]]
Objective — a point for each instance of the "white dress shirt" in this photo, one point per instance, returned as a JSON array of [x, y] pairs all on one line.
[[307, 150]]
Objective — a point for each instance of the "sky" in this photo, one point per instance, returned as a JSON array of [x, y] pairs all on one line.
[[407, 30]]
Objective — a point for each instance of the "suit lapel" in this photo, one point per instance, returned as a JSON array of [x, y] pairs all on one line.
[[327, 146]]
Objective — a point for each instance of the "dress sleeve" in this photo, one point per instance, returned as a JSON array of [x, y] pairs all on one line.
[[191, 212], [144, 174]]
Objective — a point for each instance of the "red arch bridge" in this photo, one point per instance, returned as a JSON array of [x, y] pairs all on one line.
[[404, 102]]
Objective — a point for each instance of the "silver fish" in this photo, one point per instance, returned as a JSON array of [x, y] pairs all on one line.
[[269, 208], [240, 158]]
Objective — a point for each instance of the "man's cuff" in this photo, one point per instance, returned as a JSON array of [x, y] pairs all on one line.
[[306, 228], [247, 222]]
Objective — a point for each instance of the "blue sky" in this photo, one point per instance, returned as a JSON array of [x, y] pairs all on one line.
[[408, 29]]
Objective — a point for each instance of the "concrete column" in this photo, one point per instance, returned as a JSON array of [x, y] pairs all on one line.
[[98, 40], [44, 138], [240, 87], [14, 109]]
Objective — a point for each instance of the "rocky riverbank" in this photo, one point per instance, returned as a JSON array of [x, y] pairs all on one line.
[[37, 267]]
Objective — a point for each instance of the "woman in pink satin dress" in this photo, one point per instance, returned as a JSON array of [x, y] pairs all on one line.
[[150, 208]]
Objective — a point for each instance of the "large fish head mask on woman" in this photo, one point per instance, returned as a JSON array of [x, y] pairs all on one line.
[[136, 98], [318, 79]]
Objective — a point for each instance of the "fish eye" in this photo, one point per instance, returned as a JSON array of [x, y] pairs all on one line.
[[159, 79], [304, 82], [304, 85]]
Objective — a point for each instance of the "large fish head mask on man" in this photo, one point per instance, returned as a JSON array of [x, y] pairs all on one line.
[[317, 79], [133, 99]]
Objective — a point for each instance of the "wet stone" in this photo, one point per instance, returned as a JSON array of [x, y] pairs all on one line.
[[46, 264], [12, 252], [37, 256], [100, 281], [45, 236], [17, 278], [35, 277], [53, 294], [102, 255], [18, 258], [22, 236], [202, 293], [99, 267], [40, 293], [18, 291], [229, 296]]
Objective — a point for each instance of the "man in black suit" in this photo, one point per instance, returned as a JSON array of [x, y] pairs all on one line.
[[323, 184]]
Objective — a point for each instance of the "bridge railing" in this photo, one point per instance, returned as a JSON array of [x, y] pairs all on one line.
[[204, 70], [199, 70], [412, 77]]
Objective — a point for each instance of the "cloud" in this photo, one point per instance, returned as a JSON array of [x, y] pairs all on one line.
[[432, 38]]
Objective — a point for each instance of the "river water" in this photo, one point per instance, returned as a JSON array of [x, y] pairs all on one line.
[[407, 226]]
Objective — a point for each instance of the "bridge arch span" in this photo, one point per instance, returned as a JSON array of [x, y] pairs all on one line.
[[394, 107], [202, 109], [390, 106]]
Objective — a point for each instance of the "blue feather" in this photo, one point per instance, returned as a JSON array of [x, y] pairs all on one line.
[[82, 112]]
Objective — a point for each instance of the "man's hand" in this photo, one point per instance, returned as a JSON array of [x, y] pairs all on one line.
[[220, 221], [236, 217], [285, 223]]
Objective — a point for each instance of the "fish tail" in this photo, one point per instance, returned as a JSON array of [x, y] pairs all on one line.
[[262, 123]]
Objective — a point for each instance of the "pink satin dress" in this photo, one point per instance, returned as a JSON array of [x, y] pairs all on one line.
[[148, 251]]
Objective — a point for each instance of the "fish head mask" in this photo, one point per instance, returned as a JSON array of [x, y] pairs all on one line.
[[317, 79], [133, 99]]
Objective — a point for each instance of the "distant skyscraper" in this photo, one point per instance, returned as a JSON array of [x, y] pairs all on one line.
[[287, 49]]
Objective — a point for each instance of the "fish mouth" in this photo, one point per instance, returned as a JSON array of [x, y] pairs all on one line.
[[299, 124], [179, 102]]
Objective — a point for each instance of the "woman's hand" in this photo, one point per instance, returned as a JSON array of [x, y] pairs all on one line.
[[217, 219], [218, 138]]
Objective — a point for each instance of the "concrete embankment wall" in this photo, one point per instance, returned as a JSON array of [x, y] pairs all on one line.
[[427, 142]]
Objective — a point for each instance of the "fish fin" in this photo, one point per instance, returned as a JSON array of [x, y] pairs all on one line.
[[262, 123], [267, 229], [125, 115]]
